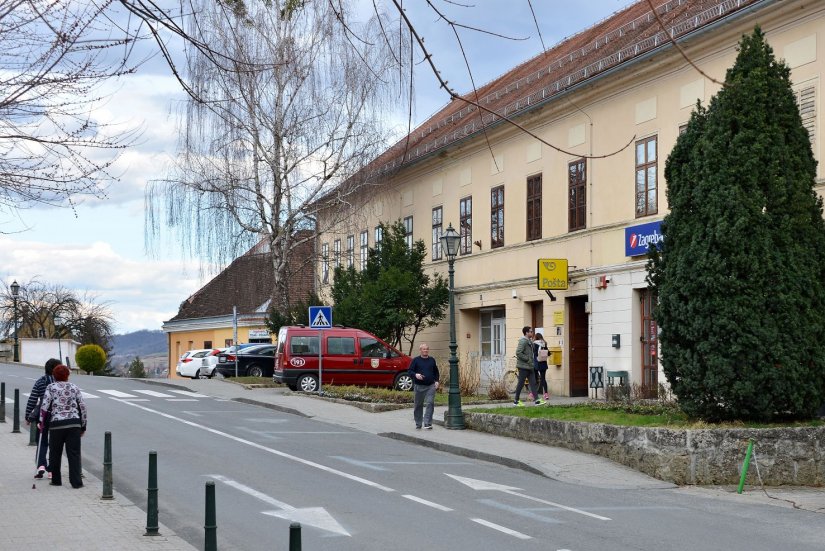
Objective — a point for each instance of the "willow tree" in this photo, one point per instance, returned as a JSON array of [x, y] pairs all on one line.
[[288, 107]]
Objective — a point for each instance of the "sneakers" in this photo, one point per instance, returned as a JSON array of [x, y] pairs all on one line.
[[41, 470], [518, 403], [428, 427], [49, 475], [418, 427], [539, 402], [546, 397]]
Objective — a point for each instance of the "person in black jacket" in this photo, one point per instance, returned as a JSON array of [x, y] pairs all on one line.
[[424, 372], [33, 414]]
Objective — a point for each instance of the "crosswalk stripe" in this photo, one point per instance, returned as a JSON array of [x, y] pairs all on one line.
[[189, 393], [181, 400], [155, 393], [87, 395], [118, 394]]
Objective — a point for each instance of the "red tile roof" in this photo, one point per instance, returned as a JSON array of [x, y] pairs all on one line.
[[248, 283], [627, 34]]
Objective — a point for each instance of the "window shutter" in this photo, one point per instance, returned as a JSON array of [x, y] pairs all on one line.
[[806, 100]]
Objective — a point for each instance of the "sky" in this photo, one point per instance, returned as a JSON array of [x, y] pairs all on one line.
[[98, 248]]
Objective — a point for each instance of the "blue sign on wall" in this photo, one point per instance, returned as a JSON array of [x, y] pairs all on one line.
[[637, 239]]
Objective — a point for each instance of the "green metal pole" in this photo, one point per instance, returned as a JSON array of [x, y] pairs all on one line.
[[455, 417], [295, 536], [107, 466], [16, 426], [152, 496], [34, 434], [2, 402], [210, 527], [745, 466]]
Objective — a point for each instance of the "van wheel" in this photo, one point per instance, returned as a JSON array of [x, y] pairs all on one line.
[[255, 371], [308, 383], [403, 382]]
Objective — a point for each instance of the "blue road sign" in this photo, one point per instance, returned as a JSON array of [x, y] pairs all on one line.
[[320, 317]]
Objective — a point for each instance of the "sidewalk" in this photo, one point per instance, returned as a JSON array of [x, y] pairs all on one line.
[[35, 515]]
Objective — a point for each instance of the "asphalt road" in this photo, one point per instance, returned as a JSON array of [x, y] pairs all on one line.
[[357, 491]]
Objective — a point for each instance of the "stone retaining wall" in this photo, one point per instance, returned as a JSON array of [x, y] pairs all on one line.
[[793, 456]]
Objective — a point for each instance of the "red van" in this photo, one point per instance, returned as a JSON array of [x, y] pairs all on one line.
[[350, 357]]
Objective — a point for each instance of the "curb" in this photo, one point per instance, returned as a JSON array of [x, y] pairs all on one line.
[[465, 452], [267, 405]]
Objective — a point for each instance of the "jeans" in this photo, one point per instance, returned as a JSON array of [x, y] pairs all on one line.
[[424, 403], [530, 375], [71, 438]]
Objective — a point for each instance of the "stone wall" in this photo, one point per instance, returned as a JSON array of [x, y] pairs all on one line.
[[794, 456]]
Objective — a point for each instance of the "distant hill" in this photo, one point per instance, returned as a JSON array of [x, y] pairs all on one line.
[[151, 346], [140, 343]]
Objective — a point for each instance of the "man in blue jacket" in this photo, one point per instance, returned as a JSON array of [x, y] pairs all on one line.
[[33, 414], [424, 373]]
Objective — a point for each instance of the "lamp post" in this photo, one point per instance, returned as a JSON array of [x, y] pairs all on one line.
[[15, 289], [455, 417], [58, 332]]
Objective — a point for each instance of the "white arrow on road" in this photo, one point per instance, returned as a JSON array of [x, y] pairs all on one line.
[[308, 516], [485, 485]]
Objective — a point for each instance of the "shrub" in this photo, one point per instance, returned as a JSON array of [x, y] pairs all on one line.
[[90, 358]]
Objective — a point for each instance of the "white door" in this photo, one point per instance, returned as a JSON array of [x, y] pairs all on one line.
[[493, 360]]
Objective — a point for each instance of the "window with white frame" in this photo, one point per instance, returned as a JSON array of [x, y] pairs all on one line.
[[365, 235], [437, 229], [408, 231], [325, 263], [465, 216], [350, 251], [336, 253]]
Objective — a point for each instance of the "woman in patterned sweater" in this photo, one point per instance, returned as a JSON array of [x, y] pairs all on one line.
[[63, 406]]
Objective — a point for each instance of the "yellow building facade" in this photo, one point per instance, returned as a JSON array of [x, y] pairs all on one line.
[[594, 196]]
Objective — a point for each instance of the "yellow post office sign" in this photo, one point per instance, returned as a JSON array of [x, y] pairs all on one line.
[[552, 274]]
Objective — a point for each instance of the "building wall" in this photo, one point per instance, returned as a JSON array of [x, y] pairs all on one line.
[[37, 351], [603, 118]]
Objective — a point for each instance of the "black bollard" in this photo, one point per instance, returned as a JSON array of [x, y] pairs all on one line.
[[295, 536], [16, 425], [152, 496], [2, 402], [107, 466], [34, 434], [210, 527]]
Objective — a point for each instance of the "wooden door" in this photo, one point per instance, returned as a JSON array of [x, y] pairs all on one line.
[[577, 346], [650, 345]]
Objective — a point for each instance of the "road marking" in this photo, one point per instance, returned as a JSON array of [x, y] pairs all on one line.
[[155, 393], [529, 513], [485, 485], [312, 516], [88, 395], [500, 528], [117, 394], [181, 399], [427, 503], [189, 393], [261, 447], [375, 465]]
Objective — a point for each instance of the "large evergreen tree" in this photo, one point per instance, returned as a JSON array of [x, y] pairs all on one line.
[[392, 297], [741, 275]]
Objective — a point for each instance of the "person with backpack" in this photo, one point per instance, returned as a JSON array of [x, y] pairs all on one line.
[[33, 414], [525, 362], [541, 352]]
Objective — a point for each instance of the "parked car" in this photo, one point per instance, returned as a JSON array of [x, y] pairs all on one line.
[[210, 361], [350, 357], [191, 362], [253, 361], [228, 354]]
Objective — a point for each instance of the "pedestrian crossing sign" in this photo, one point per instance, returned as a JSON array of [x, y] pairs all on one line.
[[320, 317]]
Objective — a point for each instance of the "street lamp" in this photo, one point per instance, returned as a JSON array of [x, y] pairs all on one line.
[[455, 417], [15, 289]]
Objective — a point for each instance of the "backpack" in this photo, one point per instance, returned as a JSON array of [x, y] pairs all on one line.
[[543, 353]]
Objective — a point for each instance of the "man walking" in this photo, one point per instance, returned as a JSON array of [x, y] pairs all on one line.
[[33, 414], [525, 362], [425, 378]]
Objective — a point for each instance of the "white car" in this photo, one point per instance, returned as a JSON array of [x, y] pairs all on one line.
[[191, 364], [210, 361]]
